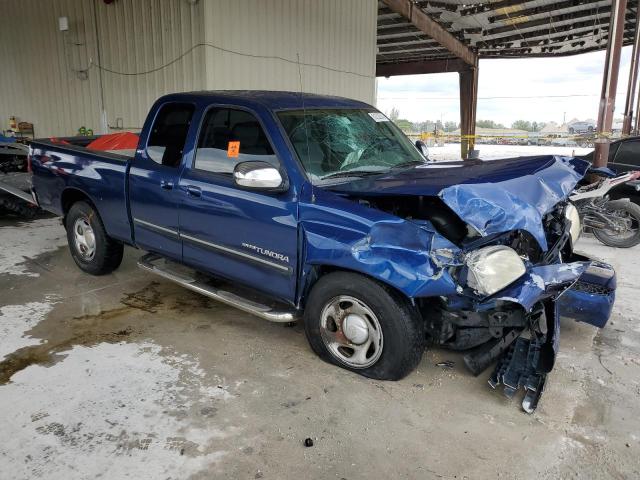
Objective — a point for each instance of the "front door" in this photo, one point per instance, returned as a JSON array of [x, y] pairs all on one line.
[[153, 179], [246, 236]]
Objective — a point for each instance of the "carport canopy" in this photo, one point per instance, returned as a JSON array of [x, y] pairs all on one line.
[[419, 37]]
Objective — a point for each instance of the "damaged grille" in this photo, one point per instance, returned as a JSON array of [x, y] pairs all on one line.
[[591, 288]]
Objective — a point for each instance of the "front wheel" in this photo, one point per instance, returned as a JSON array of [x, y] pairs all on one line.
[[626, 216], [363, 326], [91, 248]]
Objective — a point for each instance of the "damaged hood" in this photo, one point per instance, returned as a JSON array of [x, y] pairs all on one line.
[[492, 196]]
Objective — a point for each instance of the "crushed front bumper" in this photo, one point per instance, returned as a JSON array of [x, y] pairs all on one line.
[[590, 299], [583, 289]]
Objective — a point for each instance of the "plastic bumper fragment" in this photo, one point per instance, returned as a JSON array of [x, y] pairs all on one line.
[[517, 369], [590, 299]]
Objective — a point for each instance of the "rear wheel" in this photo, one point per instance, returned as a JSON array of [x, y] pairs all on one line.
[[91, 248], [363, 326], [626, 216]]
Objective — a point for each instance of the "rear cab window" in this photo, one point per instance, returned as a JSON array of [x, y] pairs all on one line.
[[229, 136], [169, 133]]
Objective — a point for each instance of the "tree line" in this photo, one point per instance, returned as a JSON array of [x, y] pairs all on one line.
[[438, 125]]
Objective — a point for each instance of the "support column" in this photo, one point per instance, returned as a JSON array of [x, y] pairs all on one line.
[[609, 83], [468, 107], [633, 78]]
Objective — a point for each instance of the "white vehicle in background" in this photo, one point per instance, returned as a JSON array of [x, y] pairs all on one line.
[[582, 127]]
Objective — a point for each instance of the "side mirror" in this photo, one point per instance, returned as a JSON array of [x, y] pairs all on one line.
[[256, 175], [422, 148]]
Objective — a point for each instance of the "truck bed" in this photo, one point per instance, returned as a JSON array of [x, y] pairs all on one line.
[[64, 166]]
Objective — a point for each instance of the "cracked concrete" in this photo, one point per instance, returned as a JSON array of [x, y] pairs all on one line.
[[131, 376]]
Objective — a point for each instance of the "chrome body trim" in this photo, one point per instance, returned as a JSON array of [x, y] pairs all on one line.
[[263, 311], [213, 246]]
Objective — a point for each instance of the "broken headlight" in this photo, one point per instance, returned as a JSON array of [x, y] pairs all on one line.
[[571, 212], [490, 269]]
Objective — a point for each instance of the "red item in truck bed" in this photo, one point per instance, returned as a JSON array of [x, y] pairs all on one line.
[[115, 141]]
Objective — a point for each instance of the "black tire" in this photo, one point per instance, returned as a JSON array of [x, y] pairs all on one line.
[[108, 252], [18, 207], [613, 239], [403, 329]]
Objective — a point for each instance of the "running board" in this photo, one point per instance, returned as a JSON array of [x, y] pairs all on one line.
[[185, 278]]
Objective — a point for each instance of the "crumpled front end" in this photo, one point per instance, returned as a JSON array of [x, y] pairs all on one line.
[[519, 326], [435, 249]]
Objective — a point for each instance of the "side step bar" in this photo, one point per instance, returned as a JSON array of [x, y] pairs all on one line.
[[147, 263]]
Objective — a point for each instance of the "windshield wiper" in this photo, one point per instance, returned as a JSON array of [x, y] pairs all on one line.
[[353, 173], [408, 164]]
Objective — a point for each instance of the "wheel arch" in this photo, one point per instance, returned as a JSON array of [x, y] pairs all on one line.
[[317, 271], [73, 195]]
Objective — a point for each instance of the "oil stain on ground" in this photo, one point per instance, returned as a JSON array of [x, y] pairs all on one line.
[[111, 326]]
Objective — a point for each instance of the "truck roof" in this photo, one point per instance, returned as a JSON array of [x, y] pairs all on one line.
[[273, 100]]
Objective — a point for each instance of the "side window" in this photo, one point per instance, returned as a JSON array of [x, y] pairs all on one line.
[[628, 153], [169, 133], [228, 137]]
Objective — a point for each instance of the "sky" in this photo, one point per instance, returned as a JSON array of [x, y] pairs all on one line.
[[435, 96]]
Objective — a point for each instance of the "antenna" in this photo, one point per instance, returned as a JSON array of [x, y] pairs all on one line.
[[304, 119]]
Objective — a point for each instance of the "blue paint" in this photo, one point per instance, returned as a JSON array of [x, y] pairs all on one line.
[[311, 228], [591, 299]]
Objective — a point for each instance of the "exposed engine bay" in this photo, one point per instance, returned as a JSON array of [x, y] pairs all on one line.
[[522, 339]]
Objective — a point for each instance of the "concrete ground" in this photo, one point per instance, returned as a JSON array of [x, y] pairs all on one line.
[[129, 376]]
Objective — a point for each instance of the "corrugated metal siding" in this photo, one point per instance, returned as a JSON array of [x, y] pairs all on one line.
[[142, 35], [333, 33], [38, 84]]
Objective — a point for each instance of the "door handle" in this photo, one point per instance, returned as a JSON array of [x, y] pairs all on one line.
[[166, 185], [194, 191]]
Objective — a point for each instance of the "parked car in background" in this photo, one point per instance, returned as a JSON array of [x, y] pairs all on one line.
[[581, 127]]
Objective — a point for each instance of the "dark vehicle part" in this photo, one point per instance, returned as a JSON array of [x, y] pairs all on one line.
[[615, 223], [364, 326], [528, 360], [17, 206], [15, 197], [91, 248], [618, 225], [516, 369], [432, 209]]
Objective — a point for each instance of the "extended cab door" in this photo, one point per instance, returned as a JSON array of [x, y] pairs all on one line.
[[246, 236], [153, 179]]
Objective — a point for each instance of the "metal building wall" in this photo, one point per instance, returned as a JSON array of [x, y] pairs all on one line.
[[137, 36], [50, 78], [37, 83], [340, 34]]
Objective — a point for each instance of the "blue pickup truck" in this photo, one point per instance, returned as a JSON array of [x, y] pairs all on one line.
[[290, 205]]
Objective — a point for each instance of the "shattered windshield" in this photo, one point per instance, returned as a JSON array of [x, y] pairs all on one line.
[[347, 143]]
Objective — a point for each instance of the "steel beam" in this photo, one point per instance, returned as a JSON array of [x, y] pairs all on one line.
[[633, 77], [518, 25], [609, 83], [418, 68], [468, 107], [514, 13], [489, 6], [433, 29]]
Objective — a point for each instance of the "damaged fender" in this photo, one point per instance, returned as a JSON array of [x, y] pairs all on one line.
[[408, 255]]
